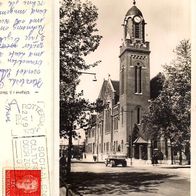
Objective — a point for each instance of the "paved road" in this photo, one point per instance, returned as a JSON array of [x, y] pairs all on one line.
[[96, 179]]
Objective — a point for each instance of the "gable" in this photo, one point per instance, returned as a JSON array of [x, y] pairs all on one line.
[[106, 91], [110, 91], [115, 85]]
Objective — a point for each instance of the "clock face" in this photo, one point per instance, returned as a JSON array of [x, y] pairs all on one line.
[[137, 19]]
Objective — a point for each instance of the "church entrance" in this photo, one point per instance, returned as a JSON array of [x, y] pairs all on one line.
[[140, 149]]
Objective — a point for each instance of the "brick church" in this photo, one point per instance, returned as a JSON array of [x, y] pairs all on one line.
[[117, 130]]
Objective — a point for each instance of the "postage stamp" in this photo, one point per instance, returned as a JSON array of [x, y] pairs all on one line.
[[23, 183], [31, 153]]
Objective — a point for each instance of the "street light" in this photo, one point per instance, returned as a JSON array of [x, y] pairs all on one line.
[[89, 73]]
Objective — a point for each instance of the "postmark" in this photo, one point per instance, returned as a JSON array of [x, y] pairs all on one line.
[[25, 119], [23, 183], [31, 153]]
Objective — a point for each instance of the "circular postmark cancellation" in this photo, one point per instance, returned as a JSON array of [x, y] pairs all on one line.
[[31, 118], [25, 118], [23, 182]]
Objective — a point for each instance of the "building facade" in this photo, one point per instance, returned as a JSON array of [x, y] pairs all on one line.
[[117, 130]]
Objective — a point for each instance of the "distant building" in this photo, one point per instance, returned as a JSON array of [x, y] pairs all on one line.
[[78, 145], [118, 128]]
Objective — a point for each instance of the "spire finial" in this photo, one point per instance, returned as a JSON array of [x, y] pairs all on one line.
[[134, 2]]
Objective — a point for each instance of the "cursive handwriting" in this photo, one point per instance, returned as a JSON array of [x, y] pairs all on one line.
[[9, 108], [4, 73], [22, 43], [36, 83]]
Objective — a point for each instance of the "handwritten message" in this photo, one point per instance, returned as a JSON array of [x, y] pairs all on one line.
[[22, 43], [26, 88]]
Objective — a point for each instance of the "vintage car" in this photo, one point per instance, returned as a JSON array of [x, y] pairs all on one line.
[[114, 160]]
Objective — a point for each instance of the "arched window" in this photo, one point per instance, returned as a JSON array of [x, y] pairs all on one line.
[[138, 78], [137, 30], [138, 115], [115, 122], [108, 119], [122, 112]]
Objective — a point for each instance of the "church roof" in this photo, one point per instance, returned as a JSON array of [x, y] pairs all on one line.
[[115, 84], [140, 140], [103, 88], [134, 11]]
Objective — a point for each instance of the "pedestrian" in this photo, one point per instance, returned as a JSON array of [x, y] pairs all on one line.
[[94, 158], [156, 156], [153, 159], [161, 157], [63, 160], [156, 159], [63, 166]]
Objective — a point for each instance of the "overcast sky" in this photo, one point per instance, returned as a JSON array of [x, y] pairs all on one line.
[[168, 22]]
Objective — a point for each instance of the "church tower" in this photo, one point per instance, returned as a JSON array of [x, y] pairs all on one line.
[[134, 75]]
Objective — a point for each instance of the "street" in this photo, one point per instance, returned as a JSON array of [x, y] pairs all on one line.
[[97, 179]]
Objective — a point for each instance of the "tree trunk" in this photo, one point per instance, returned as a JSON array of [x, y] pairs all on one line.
[[70, 138]]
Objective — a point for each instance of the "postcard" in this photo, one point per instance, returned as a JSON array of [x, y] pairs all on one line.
[[26, 98]]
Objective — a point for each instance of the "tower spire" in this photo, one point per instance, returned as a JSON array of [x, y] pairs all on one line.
[[134, 2]]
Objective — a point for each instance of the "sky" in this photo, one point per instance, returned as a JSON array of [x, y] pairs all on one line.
[[168, 22]]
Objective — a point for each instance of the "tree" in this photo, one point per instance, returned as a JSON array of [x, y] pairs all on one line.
[[156, 85], [78, 37], [169, 114]]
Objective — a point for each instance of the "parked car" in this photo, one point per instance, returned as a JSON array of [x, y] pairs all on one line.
[[114, 160]]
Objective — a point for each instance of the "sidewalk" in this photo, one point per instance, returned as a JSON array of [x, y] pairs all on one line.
[[135, 163]]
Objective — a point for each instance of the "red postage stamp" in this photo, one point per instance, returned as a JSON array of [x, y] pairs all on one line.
[[23, 183]]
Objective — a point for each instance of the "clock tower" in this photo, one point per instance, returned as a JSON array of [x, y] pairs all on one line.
[[134, 75]]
